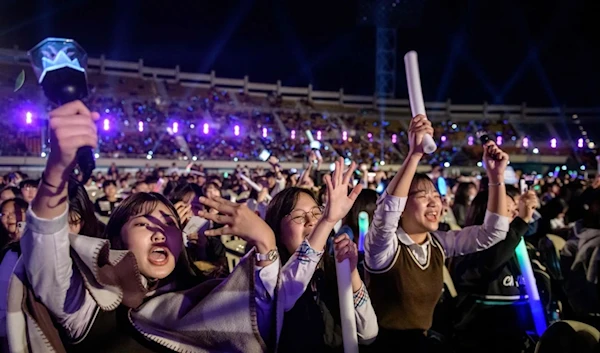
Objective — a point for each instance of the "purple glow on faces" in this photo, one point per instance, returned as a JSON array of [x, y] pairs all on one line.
[[499, 140], [319, 135], [205, 129], [394, 138], [580, 143], [236, 130], [293, 134], [140, 126], [175, 128], [470, 140], [526, 142], [553, 143], [28, 118], [345, 135], [106, 124], [443, 138], [264, 132]]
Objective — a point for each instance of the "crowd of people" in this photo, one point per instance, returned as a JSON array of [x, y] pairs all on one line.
[[188, 260], [139, 122]]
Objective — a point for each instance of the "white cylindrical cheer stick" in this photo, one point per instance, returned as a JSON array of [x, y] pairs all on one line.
[[253, 185], [344, 282], [415, 94]]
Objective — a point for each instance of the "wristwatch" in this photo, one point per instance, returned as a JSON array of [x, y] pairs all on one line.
[[272, 255]]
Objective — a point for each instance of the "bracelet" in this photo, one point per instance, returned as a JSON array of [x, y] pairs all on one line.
[[495, 184], [45, 182]]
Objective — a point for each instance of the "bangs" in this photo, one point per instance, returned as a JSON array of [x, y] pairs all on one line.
[[421, 182], [142, 208]]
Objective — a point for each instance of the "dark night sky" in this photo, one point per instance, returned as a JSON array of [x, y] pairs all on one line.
[[544, 52]]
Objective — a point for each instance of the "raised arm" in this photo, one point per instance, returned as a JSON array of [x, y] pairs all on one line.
[[496, 223], [45, 244], [381, 241]]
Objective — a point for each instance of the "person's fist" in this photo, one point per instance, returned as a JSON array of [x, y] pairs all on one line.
[[71, 126], [495, 161], [527, 205], [419, 127]]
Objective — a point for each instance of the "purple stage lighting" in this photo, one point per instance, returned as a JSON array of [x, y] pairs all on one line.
[[470, 140], [319, 135], [106, 124], [443, 138], [205, 129], [394, 138], [370, 136], [175, 128], [28, 118], [236, 130], [553, 143], [499, 140], [293, 134], [580, 143], [525, 142], [344, 135], [140, 126], [264, 132]]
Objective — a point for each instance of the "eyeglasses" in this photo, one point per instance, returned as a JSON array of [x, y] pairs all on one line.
[[299, 217]]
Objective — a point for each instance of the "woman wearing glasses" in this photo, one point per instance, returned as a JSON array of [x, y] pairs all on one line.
[[302, 227]]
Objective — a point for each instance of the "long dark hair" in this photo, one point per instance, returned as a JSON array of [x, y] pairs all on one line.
[[20, 204], [144, 203], [367, 202], [80, 204], [477, 210], [280, 206], [462, 194]]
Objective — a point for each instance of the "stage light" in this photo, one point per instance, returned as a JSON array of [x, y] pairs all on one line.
[[536, 151], [580, 143], [345, 135], [106, 124], [293, 134], [96, 155], [28, 117], [525, 142], [454, 126], [499, 140], [149, 156], [43, 155], [591, 145], [319, 135], [236, 130], [582, 167], [107, 110], [370, 136], [553, 143], [194, 158], [140, 126], [394, 138], [470, 140], [446, 164], [479, 164], [443, 138], [264, 134], [192, 126], [175, 128], [235, 159], [205, 129], [564, 167]]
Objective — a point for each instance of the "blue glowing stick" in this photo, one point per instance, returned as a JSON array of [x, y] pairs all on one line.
[[537, 310], [363, 227]]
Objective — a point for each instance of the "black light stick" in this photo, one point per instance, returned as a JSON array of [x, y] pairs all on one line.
[[484, 138], [60, 65]]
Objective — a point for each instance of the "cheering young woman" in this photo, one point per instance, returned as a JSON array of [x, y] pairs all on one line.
[[404, 252], [137, 293]]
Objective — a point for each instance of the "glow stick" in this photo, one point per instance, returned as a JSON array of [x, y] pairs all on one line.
[[311, 139], [415, 94], [537, 310], [344, 282], [363, 227], [254, 185]]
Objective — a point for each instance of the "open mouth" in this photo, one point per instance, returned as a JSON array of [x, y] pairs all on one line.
[[431, 216], [159, 255]]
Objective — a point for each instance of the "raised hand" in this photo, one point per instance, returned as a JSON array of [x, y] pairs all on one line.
[[346, 249], [418, 128], [240, 221], [338, 184], [527, 205], [495, 161], [71, 126]]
